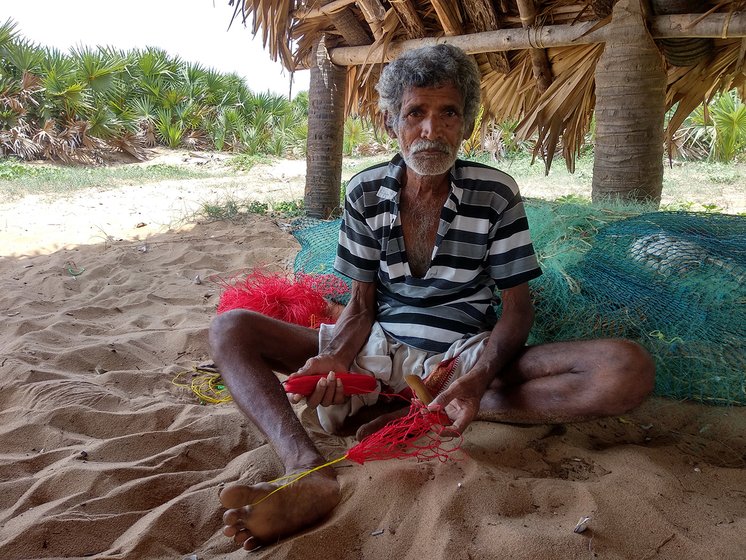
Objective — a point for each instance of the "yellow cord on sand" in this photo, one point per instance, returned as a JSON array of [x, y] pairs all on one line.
[[207, 385]]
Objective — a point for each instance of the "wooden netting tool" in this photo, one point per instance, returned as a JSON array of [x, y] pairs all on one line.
[[419, 388]]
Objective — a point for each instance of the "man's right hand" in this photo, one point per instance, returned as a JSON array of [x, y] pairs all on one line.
[[350, 333], [329, 389]]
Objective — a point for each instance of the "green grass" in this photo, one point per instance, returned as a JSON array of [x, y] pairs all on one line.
[[19, 179], [236, 210], [245, 162]]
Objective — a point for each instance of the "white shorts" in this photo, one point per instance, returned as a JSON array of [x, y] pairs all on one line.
[[389, 360]]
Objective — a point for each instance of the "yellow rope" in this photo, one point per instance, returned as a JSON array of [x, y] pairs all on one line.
[[295, 477], [207, 385]]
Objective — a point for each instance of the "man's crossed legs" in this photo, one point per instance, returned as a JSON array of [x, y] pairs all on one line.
[[551, 383]]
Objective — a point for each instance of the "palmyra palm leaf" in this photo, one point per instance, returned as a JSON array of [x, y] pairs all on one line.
[[23, 57], [130, 143], [218, 90], [8, 34], [729, 118], [103, 123], [67, 97], [154, 62], [172, 97], [96, 69]]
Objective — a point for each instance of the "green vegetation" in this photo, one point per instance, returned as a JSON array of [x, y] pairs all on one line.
[[244, 162], [82, 106], [18, 179], [233, 210], [715, 131]]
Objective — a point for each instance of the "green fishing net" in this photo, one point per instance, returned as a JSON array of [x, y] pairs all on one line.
[[673, 281]]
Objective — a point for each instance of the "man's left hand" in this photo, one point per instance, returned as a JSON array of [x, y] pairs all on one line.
[[460, 401]]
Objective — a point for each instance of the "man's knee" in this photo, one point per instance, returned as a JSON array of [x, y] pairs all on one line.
[[631, 375], [232, 324]]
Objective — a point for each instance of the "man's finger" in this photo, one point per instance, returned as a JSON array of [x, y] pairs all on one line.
[[459, 425], [462, 421], [314, 399], [440, 402], [339, 395], [331, 387]]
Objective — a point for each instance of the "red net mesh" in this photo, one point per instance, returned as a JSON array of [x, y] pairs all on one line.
[[419, 434], [299, 299]]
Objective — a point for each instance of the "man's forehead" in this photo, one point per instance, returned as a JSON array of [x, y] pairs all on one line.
[[446, 94]]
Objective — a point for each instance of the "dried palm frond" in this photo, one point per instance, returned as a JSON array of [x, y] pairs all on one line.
[[130, 143], [18, 141], [195, 140], [565, 109], [691, 86], [274, 19]]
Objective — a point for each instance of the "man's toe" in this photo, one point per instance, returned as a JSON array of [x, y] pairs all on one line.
[[233, 517], [235, 496], [242, 536], [252, 544], [231, 530]]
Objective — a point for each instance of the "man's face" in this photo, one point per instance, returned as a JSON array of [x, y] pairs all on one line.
[[430, 128]]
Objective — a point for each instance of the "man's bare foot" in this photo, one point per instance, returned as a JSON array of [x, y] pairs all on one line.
[[283, 513]]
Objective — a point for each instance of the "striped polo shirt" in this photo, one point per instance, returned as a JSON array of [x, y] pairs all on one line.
[[482, 243]]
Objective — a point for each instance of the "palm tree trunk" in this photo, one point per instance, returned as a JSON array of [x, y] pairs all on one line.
[[325, 135], [630, 106]]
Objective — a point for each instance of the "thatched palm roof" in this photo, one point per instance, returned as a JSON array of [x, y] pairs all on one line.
[[511, 80]]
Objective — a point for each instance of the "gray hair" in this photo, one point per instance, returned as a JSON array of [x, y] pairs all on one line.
[[432, 66]]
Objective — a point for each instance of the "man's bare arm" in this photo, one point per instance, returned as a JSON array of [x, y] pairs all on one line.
[[350, 334], [509, 334], [354, 324]]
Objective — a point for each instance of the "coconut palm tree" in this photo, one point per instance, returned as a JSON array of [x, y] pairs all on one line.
[[628, 159], [325, 138]]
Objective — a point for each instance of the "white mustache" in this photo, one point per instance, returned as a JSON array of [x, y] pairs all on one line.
[[425, 145]]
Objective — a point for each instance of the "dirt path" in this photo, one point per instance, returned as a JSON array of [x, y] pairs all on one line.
[[41, 224]]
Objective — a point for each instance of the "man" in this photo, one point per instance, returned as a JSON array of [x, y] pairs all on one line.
[[425, 239]]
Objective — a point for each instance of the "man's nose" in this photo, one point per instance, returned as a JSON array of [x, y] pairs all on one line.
[[430, 128]]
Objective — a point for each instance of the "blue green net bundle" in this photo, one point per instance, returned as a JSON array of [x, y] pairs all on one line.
[[673, 281]]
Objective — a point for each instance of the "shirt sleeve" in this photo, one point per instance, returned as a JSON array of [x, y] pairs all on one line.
[[359, 250], [511, 257]]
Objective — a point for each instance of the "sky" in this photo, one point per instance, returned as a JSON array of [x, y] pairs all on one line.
[[195, 30]]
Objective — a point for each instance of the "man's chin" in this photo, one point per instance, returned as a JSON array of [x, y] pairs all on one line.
[[428, 165]]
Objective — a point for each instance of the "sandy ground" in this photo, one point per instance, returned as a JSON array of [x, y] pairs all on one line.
[[103, 456]]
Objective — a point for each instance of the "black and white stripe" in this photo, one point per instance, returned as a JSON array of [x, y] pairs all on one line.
[[482, 243]]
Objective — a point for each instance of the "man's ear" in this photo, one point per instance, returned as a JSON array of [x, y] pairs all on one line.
[[389, 130], [468, 130]]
